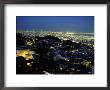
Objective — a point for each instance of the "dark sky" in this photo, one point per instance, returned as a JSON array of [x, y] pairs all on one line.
[[56, 23]]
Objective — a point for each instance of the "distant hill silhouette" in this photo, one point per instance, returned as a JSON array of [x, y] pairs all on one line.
[[53, 38], [19, 39]]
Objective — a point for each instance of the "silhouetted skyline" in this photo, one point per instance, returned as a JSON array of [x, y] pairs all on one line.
[[56, 23]]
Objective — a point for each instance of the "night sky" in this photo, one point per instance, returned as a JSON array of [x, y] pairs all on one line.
[[56, 23]]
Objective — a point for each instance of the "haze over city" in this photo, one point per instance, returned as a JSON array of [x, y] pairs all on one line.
[[79, 24], [55, 45]]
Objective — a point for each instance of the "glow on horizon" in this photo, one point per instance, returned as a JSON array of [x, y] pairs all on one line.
[[56, 23], [55, 32]]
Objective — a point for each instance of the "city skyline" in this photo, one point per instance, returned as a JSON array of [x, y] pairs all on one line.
[[56, 23]]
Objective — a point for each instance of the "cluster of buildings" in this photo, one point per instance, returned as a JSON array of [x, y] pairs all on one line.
[[55, 52], [77, 37]]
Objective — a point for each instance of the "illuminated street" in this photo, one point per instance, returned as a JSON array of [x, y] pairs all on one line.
[[54, 45]]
